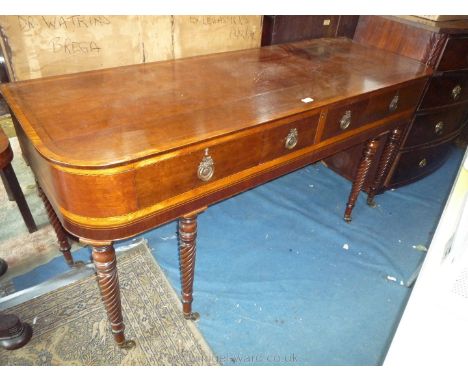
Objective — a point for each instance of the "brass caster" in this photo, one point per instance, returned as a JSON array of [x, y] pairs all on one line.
[[127, 345], [347, 218], [371, 202], [194, 316]]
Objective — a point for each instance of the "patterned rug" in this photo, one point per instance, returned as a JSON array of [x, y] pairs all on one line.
[[70, 324]]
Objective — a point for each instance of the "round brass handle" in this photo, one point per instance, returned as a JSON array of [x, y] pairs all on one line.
[[439, 128], [456, 91], [345, 120], [394, 103], [206, 167], [423, 163], [291, 139]]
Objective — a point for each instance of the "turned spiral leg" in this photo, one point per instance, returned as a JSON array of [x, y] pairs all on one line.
[[385, 163], [108, 281], [360, 178], [187, 250], [62, 239]]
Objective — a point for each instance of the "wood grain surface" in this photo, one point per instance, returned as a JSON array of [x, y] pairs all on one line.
[[119, 151]]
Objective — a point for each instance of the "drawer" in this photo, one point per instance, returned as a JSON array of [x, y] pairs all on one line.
[[446, 89], [435, 126], [418, 163], [455, 56], [185, 172], [353, 115], [283, 139]]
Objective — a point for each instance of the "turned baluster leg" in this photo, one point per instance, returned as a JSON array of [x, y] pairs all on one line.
[[62, 239], [187, 250], [384, 164], [360, 178], [108, 281]]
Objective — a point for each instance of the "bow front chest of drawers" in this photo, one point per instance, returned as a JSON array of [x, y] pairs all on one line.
[[442, 112], [120, 151]]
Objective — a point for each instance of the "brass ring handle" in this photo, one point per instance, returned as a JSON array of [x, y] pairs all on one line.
[[439, 128], [206, 167], [423, 163], [394, 103], [291, 139], [345, 120], [456, 91]]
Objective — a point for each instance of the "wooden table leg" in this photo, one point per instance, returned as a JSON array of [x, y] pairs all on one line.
[[187, 252], [385, 164], [14, 188], [108, 281], [62, 239], [362, 171], [11, 197]]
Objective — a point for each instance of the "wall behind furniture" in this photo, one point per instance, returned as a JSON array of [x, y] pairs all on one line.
[[39, 46]]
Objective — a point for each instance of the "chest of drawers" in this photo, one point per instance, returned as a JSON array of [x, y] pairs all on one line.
[[442, 111]]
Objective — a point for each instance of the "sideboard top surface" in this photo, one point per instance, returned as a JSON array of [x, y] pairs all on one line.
[[107, 117]]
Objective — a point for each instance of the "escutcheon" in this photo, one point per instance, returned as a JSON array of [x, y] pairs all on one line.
[[456, 91], [206, 167], [345, 120], [439, 128], [291, 139], [394, 103]]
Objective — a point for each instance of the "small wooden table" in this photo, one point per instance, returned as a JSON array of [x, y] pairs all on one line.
[[120, 151]]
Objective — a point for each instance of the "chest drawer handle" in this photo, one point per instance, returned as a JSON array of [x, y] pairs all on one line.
[[456, 91], [439, 128], [423, 163], [394, 103], [206, 167], [345, 120], [291, 139]]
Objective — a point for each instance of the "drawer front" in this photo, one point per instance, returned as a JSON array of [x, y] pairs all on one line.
[[418, 163], [183, 173], [186, 172], [353, 115], [435, 126], [283, 139], [447, 89], [455, 56]]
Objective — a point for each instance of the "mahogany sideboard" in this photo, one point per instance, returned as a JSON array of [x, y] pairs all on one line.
[[442, 113], [119, 151]]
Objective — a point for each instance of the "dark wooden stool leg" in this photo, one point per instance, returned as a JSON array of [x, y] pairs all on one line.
[[108, 281], [62, 239], [11, 197], [360, 178], [187, 251], [18, 196], [385, 164], [14, 334], [3, 267]]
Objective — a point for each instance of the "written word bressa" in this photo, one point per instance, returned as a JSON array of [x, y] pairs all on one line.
[[70, 47]]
